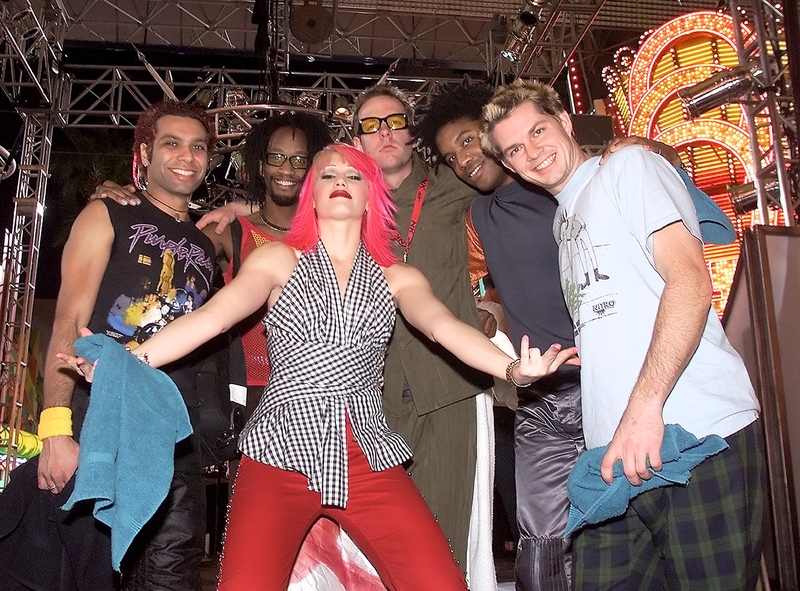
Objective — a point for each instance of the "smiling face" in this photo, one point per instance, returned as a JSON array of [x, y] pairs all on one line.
[[283, 182], [539, 147], [177, 159], [392, 149], [341, 191], [461, 150]]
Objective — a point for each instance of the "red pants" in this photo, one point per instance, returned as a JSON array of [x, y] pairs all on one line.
[[271, 511]]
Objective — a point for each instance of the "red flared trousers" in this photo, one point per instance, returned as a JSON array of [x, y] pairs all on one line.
[[271, 511]]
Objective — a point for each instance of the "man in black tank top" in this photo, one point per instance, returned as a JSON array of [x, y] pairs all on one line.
[[127, 272]]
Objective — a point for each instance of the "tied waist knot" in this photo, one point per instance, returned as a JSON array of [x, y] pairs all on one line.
[[329, 368]]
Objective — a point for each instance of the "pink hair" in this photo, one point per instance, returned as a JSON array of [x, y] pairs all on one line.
[[378, 223]]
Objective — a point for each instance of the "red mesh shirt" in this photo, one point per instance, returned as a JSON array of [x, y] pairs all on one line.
[[251, 329]]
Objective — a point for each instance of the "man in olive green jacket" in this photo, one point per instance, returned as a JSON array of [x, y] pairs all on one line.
[[429, 396]]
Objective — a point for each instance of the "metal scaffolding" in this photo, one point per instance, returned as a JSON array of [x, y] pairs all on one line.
[[554, 43], [31, 79], [765, 52]]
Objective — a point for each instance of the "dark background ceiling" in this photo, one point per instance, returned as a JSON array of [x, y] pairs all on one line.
[[352, 42]]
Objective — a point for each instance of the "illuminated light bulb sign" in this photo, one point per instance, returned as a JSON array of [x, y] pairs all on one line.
[[643, 90]]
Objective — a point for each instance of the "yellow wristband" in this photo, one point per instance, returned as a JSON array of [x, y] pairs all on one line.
[[55, 421]]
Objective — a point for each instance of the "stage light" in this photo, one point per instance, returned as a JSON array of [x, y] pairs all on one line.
[[235, 97], [285, 98], [341, 108], [309, 100], [522, 30], [723, 87], [260, 97], [204, 97], [744, 198]]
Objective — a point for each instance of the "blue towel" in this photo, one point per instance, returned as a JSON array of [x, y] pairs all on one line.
[[593, 501], [136, 415], [715, 226]]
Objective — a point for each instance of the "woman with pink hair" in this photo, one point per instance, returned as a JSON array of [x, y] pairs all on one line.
[[318, 443]]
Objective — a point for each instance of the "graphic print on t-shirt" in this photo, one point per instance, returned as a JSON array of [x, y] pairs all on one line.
[[580, 270], [168, 279]]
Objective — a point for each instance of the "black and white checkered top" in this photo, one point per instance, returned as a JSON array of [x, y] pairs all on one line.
[[326, 354]]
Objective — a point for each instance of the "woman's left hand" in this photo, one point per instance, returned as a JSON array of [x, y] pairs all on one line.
[[79, 364], [533, 365]]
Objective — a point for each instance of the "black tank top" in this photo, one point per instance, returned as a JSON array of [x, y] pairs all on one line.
[[159, 269], [515, 226]]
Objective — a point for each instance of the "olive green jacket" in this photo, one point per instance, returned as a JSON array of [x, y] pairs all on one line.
[[439, 249]]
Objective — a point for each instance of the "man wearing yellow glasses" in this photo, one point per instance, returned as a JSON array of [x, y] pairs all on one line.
[[395, 121], [430, 398]]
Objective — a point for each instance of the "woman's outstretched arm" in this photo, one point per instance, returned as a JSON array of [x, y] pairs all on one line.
[[265, 270], [424, 311]]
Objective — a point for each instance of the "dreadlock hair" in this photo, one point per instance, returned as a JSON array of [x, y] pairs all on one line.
[[453, 102], [257, 145], [145, 131]]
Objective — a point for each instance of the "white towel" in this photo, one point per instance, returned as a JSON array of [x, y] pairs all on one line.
[[480, 561]]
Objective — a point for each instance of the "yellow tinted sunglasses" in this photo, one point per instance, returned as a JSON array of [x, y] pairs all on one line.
[[394, 122]]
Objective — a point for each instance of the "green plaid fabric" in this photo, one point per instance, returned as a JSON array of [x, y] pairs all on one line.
[[705, 535]]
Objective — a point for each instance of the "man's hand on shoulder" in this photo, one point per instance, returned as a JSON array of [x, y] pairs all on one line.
[[110, 190], [57, 462], [224, 216]]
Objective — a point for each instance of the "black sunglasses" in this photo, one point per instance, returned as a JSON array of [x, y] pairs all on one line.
[[394, 122], [296, 162]]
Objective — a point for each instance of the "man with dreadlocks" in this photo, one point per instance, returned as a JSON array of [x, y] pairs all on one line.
[[513, 224], [277, 155]]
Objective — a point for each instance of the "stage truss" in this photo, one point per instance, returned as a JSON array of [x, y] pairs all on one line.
[[446, 36]]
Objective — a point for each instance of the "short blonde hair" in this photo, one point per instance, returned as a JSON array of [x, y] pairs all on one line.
[[509, 97]]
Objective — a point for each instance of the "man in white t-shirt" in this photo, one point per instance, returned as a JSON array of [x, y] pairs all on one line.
[[653, 353]]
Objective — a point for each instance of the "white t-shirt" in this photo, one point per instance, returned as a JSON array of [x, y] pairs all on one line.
[[604, 227]]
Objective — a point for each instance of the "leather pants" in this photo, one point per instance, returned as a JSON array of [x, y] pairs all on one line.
[[548, 440]]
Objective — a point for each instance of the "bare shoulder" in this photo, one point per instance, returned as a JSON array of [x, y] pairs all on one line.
[[86, 253], [400, 276], [223, 242], [94, 210], [277, 249], [93, 224], [273, 257]]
